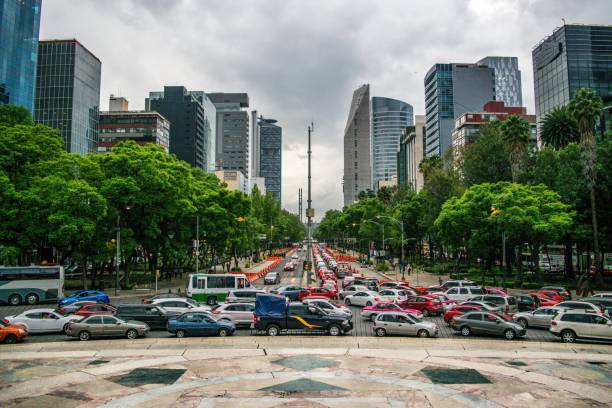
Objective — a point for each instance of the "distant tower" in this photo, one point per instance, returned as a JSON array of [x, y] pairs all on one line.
[[357, 167]]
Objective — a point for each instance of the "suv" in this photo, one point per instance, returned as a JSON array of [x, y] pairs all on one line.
[[155, 316], [243, 295], [463, 293], [575, 324], [239, 313], [457, 283], [579, 305], [507, 303]]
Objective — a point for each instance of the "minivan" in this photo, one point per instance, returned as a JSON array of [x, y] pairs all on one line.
[[155, 316]]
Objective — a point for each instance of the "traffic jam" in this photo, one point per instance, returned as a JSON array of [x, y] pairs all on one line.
[[342, 300]]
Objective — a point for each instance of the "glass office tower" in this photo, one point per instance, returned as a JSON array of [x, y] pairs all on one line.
[[19, 24], [68, 93], [270, 155]]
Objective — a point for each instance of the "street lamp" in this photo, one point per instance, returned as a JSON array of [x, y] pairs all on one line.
[[401, 224], [127, 208]]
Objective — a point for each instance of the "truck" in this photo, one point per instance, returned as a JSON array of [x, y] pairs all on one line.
[[275, 314]]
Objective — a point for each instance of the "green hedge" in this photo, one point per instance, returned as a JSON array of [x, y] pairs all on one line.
[[382, 266]]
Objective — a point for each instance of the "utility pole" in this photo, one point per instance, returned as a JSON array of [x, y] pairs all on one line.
[[300, 204], [196, 244], [118, 253], [309, 210]]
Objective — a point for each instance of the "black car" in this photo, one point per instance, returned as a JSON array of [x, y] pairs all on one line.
[[155, 316]]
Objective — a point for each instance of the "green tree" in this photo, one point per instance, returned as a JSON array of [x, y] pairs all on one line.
[[586, 108], [559, 128], [12, 115], [516, 132]]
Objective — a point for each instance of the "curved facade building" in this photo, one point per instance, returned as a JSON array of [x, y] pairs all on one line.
[[389, 119]]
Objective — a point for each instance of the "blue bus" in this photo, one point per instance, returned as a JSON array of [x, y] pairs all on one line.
[[31, 284]]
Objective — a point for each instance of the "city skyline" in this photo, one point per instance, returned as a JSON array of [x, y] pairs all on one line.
[[295, 76]]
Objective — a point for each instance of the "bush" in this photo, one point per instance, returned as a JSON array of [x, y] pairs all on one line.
[[141, 278], [382, 266], [531, 285]]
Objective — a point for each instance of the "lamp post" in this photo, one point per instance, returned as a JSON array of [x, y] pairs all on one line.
[[401, 224]]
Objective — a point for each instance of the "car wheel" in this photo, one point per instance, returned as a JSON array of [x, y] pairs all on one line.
[[523, 322], [381, 332], [180, 334], [222, 332], [32, 299], [65, 328], [14, 300], [368, 303], [425, 313], [273, 330], [334, 330], [509, 334], [568, 336], [347, 302], [211, 301], [423, 333], [131, 334], [465, 331], [84, 336], [10, 339]]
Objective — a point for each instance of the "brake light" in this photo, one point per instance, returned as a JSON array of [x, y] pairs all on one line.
[[216, 312]]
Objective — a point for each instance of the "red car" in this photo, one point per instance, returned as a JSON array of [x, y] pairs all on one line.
[[325, 292], [459, 310], [544, 300], [289, 266], [551, 294], [96, 309], [426, 304], [446, 302], [370, 312]]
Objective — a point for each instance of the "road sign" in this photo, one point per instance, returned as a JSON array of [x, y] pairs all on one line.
[[310, 212]]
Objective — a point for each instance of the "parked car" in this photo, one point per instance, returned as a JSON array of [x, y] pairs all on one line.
[[488, 306], [12, 333], [292, 292], [507, 303], [243, 295], [329, 307], [528, 302], [200, 324], [487, 323], [73, 307], [362, 298], [457, 283], [155, 316], [370, 312], [459, 310], [351, 290], [433, 289], [106, 326], [562, 291], [577, 324], [239, 313], [544, 300], [581, 305], [463, 293], [289, 266], [540, 317], [602, 295], [181, 305], [392, 295], [390, 284], [96, 309], [150, 299], [606, 303], [496, 291], [426, 304], [43, 320], [551, 294], [445, 301], [395, 323], [320, 291], [90, 295], [272, 278]]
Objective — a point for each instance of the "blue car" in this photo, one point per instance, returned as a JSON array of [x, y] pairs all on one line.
[[200, 324], [89, 295]]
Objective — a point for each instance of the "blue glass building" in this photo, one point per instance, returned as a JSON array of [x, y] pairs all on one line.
[[19, 25], [270, 155]]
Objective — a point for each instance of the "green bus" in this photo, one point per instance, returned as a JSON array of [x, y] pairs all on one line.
[[212, 288], [31, 284]]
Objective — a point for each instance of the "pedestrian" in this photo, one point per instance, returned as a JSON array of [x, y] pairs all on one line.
[[409, 269], [440, 280]]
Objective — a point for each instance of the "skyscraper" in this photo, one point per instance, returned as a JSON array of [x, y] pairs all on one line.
[[68, 92], [410, 155], [271, 150], [389, 118], [357, 165], [572, 57], [450, 90], [507, 79], [19, 24], [232, 139]]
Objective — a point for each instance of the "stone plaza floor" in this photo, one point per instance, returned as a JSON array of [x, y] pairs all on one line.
[[305, 372]]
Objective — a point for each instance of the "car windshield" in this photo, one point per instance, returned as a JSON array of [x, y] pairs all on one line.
[[60, 313]]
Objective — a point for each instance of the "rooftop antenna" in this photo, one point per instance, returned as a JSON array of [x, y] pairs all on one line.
[[562, 19]]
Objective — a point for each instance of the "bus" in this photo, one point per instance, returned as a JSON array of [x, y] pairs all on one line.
[[31, 284], [213, 288]]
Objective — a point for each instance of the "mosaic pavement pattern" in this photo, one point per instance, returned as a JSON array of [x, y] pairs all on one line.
[[196, 378]]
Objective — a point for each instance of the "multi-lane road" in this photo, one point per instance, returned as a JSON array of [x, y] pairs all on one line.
[[362, 327]]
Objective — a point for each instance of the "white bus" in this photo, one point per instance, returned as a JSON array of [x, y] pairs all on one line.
[[31, 284], [212, 288]]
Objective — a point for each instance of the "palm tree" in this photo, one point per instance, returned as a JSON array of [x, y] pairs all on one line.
[[586, 108], [559, 128], [516, 132]]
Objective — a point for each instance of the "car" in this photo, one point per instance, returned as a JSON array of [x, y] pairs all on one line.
[[576, 324], [294, 293], [507, 303], [566, 294], [329, 307], [181, 305], [390, 284], [370, 312], [289, 266], [528, 302], [323, 292], [433, 289], [551, 294], [106, 326], [487, 323], [463, 292], [362, 298], [457, 283], [606, 303], [496, 291], [351, 290], [295, 257], [96, 309], [239, 313], [544, 300], [43, 320], [73, 307], [586, 306], [488, 306], [392, 295], [150, 300], [243, 295], [602, 295], [90, 295], [155, 316], [540, 317], [200, 324], [272, 278], [12, 333], [426, 304], [446, 302], [459, 310], [395, 323]]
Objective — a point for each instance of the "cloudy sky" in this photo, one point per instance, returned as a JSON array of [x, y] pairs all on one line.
[[300, 60]]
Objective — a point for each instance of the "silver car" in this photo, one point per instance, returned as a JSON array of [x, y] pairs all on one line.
[[243, 295], [487, 323], [541, 317], [272, 278], [507, 303], [239, 313], [330, 308], [403, 324], [106, 326]]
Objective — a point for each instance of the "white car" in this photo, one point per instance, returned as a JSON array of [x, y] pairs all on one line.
[[463, 293], [362, 298], [181, 305], [239, 313], [575, 324], [393, 295], [579, 305], [295, 257], [43, 320], [330, 307], [602, 295], [351, 290]]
